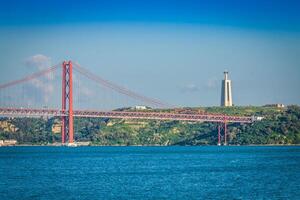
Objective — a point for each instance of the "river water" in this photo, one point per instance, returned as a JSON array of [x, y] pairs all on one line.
[[227, 172]]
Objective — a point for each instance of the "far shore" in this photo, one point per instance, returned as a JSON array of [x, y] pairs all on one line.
[[153, 145]]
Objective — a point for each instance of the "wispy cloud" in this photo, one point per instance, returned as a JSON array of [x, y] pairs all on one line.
[[212, 83], [38, 61], [44, 84], [191, 87]]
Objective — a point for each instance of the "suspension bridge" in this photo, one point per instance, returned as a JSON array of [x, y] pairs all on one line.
[[17, 101]]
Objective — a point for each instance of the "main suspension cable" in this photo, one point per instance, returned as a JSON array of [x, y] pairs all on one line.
[[118, 88], [30, 77]]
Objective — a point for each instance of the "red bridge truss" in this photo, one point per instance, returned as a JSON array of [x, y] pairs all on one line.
[[22, 112]]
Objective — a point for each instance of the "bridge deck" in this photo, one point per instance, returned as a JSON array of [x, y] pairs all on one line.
[[127, 115]]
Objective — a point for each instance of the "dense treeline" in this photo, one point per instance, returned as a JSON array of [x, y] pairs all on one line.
[[279, 126]]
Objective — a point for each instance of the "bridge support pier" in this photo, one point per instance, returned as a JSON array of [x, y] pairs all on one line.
[[222, 125], [67, 98], [225, 133], [219, 135]]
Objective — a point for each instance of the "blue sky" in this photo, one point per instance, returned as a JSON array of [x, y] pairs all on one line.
[[175, 51], [265, 14]]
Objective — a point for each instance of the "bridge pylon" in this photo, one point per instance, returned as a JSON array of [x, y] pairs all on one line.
[[222, 125], [67, 130]]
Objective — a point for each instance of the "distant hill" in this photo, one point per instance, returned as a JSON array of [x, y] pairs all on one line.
[[279, 126]]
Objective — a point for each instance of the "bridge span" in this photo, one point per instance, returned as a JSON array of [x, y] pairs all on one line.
[[23, 112], [67, 113]]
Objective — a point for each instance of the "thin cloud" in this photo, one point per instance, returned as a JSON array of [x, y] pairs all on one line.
[[45, 84], [212, 83], [191, 87], [38, 61]]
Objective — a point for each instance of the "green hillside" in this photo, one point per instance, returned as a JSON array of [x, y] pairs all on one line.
[[279, 126]]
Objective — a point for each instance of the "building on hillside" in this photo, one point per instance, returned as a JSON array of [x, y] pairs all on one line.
[[257, 118], [139, 107], [8, 127], [56, 128], [276, 105], [8, 142], [226, 92]]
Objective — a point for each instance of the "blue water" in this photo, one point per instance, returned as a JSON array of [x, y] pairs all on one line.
[[150, 173]]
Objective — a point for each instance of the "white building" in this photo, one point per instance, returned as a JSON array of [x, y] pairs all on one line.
[[140, 107]]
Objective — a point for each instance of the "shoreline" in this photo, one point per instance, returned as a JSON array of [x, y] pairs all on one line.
[[92, 145]]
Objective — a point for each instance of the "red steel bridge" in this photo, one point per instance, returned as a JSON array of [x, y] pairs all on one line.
[[67, 113]]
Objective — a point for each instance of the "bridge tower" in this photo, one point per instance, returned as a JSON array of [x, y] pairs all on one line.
[[222, 126], [67, 100]]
